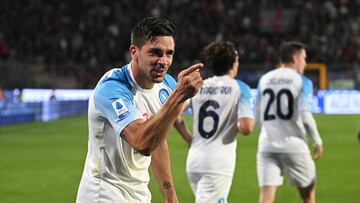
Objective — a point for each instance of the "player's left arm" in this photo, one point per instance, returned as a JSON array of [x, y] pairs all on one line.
[[245, 123], [160, 160], [160, 166], [307, 117], [181, 127]]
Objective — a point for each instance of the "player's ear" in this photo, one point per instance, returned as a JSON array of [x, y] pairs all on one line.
[[293, 58], [134, 52]]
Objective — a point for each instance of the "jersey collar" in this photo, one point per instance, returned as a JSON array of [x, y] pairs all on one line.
[[135, 84]]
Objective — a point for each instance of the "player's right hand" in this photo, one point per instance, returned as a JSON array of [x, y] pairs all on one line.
[[318, 151], [189, 81]]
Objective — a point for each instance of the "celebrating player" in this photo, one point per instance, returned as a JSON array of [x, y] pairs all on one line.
[[283, 112], [130, 113]]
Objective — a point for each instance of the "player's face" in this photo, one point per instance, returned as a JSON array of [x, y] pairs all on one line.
[[236, 65], [155, 57], [300, 61]]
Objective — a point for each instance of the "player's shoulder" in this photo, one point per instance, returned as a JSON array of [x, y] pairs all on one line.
[[242, 85], [169, 81], [285, 72], [282, 73], [244, 88], [269, 74], [306, 80], [266, 77], [307, 84], [119, 74], [114, 81]]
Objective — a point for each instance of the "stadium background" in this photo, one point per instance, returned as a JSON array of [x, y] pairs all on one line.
[[60, 46]]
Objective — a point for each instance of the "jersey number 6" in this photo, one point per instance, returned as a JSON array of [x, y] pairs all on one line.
[[204, 112]]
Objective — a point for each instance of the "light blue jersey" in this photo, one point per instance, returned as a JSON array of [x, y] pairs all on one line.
[[282, 95], [114, 171], [216, 109]]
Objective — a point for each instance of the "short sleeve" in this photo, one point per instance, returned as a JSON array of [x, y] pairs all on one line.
[[306, 94], [115, 101], [170, 82], [245, 101]]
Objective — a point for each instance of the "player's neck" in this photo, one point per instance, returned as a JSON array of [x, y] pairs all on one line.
[[143, 82], [139, 77], [232, 73], [288, 65]]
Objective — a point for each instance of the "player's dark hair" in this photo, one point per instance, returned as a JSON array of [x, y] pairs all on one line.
[[219, 56], [151, 27], [288, 49]]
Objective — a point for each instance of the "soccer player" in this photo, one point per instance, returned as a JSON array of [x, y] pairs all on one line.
[[283, 113], [220, 110], [130, 113]]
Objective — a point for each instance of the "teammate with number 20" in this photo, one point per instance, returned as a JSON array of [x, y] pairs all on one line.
[[283, 112]]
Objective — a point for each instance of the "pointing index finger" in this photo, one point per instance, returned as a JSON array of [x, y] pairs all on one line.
[[193, 68]]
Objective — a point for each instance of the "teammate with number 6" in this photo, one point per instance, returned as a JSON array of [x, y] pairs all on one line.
[[220, 109], [283, 112]]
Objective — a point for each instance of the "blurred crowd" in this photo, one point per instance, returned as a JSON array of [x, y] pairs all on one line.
[[70, 44]]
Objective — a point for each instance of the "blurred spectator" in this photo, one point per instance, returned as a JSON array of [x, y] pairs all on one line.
[[4, 48], [89, 34]]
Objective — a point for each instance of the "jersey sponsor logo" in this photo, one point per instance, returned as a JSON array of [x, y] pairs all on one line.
[[120, 109], [163, 95]]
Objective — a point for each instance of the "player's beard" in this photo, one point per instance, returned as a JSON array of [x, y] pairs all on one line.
[[157, 73]]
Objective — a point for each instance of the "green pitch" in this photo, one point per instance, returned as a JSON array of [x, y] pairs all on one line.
[[43, 162]]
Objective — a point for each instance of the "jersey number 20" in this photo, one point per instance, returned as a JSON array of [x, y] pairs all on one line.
[[277, 99], [203, 113]]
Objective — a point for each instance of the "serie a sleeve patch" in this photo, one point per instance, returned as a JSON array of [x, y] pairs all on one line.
[[120, 108]]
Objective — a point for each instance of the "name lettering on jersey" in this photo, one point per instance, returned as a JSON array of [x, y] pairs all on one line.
[[163, 95], [120, 109], [216, 90], [280, 81]]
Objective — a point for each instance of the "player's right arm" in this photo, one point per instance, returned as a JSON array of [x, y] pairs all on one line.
[[145, 136], [245, 123]]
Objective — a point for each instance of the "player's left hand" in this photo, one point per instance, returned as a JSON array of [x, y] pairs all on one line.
[[318, 151]]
